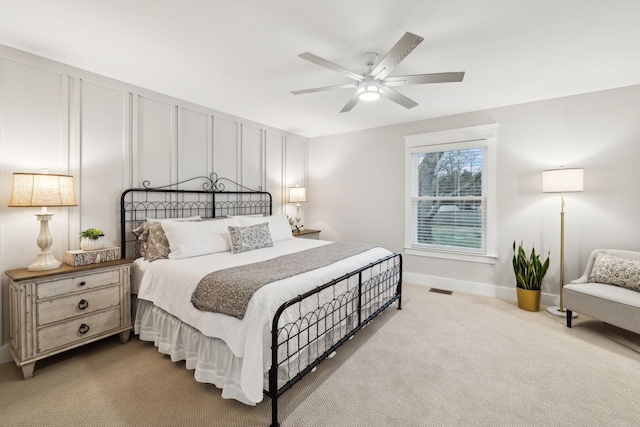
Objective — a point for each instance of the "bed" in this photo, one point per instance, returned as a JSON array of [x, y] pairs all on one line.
[[317, 295]]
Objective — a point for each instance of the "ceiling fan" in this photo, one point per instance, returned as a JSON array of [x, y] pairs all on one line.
[[374, 83]]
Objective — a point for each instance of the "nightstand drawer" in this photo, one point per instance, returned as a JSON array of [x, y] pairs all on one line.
[[79, 304], [77, 283], [78, 329]]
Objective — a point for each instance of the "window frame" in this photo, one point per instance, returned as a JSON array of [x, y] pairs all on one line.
[[463, 138]]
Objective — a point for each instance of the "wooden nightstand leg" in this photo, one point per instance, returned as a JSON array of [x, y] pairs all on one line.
[[124, 336], [27, 370]]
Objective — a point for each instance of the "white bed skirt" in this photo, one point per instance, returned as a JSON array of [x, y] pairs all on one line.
[[211, 358], [213, 361]]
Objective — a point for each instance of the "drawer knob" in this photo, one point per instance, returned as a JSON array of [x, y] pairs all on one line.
[[83, 329], [83, 304], [83, 283]]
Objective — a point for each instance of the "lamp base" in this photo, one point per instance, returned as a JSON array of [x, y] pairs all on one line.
[[560, 313], [44, 261]]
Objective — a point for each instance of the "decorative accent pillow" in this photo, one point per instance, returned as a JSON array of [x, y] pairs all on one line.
[[157, 244], [141, 238], [278, 225], [152, 242], [616, 271], [194, 238], [250, 237]]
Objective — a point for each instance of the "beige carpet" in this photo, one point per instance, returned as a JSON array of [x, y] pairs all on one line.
[[444, 360]]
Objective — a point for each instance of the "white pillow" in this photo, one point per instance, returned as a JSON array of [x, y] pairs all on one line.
[[161, 220], [278, 225], [195, 238]]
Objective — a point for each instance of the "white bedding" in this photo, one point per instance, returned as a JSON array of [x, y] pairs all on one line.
[[168, 284]]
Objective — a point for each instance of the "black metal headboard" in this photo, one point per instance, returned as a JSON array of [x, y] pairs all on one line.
[[212, 201]]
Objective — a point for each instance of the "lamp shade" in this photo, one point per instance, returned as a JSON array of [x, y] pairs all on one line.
[[44, 190], [297, 194], [562, 180]]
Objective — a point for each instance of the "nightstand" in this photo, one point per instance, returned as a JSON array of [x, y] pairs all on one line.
[[307, 233], [52, 311]]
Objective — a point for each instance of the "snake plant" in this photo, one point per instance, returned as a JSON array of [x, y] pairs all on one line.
[[529, 271]]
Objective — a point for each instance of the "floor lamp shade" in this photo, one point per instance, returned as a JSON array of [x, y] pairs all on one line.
[[43, 190], [562, 181]]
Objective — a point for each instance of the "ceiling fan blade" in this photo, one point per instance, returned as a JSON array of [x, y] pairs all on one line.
[[398, 98], [351, 103], [320, 89], [423, 78], [330, 65], [404, 47]]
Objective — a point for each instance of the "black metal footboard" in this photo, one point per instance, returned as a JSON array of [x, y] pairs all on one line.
[[309, 328]]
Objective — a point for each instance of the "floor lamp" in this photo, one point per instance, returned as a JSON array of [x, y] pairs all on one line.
[[561, 181]]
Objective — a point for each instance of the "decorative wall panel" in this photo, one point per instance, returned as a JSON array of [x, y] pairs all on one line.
[[102, 142], [111, 136], [194, 144], [225, 148], [252, 160], [153, 147]]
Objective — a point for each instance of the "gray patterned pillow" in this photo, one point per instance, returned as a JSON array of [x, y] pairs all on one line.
[[616, 271], [249, 238], [157, 243], [152, 242], [141, 238]]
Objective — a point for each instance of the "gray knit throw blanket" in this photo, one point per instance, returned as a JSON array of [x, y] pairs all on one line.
[[228, 291]]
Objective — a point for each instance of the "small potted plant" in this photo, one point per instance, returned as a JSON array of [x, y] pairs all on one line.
[[91, 239], [529, 274]]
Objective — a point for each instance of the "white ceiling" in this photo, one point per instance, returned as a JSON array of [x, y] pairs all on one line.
[[240, 57]]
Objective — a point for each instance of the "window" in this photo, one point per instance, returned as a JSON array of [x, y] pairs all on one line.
[[448, 199], [450, 179]]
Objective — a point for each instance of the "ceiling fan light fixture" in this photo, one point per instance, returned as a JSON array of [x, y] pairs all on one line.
[[370, 92], [376, 82]]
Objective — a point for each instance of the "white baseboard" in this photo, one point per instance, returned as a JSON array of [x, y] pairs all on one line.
[[472, 287], [5, 356]]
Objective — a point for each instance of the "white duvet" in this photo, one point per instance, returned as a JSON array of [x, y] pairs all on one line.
[[168, 284]]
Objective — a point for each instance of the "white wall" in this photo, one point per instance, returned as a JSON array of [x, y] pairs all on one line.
[[356, 187], [111, 136]]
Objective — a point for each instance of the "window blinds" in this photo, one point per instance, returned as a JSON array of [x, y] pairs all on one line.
[[448, 200]]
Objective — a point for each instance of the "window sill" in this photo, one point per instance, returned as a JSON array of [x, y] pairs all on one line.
[[456, 256]]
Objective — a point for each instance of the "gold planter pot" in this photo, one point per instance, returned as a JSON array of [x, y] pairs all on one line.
[[528, 299]]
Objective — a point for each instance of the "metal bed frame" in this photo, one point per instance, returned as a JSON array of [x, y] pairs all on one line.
[[341, 307]]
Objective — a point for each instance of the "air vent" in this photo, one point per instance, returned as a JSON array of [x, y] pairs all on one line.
[[440, 291]]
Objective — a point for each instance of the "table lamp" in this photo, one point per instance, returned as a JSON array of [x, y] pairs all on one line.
[[43, 190]]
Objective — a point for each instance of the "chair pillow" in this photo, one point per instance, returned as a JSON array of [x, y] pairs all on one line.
[[250, 237], [615, 271]]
